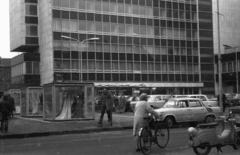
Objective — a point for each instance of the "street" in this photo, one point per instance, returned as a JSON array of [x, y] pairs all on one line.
[[103, 143]]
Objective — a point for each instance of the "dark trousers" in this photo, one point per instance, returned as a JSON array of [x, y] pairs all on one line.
[[4, 123], [109, 113]]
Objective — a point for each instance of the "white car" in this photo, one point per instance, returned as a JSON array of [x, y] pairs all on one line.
[[156, 101], [177, 110], [204, 98]]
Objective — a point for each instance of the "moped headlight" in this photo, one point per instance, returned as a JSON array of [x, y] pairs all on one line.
[[192, 131]]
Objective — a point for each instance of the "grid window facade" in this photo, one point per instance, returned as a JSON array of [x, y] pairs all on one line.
[[137, 38]]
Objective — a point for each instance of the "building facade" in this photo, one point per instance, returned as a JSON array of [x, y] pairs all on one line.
[[5, 75], [229, 35], [155, 46]]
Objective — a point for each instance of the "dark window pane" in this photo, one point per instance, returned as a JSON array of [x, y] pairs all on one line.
[[115, 77], [65, 14], [123, 77], [107, 77], [99, 77], [90, 17], [74, 54], [129, 57], [75, 77], [73, 15], [92, 77], [57, 54], [144, 77], [91, 55], [106, 56], [164, 77], [114, 56], [31, 20], [66, 76], [56, 14], [137, 77], [136, 57], [122, 56], [99, 56], [151, 77], [82, 16], [158, 77], [129, 77]]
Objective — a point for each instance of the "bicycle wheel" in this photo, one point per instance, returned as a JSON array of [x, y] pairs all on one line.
[[162, 135], [145, 141]]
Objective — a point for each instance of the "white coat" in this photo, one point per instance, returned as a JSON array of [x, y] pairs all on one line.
[[142, 109]]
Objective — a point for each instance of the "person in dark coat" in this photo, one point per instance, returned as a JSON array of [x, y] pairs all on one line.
[[224, 101], [106, 105], [5, 109], [12, 103]]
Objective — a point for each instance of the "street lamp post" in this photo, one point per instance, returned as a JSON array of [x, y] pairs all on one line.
[[80, 42], [236, 59]]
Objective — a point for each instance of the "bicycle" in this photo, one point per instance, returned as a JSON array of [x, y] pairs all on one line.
[[160, 137]]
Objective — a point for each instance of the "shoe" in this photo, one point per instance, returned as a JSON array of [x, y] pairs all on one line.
[[110, 123], [138, 149], [100, 123]]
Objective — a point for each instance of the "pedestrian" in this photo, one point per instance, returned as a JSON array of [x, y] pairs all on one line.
[[224, 101], [122, 103], [5, 109], [12, 103], [142, 109], [106, 106]]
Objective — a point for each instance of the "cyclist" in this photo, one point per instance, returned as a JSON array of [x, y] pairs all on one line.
[[5, 109], [142, 109]]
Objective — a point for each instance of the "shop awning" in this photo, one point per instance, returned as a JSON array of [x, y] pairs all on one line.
[[132, 84]]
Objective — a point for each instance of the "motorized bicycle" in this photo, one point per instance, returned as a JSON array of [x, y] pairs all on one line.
[[205, 136]]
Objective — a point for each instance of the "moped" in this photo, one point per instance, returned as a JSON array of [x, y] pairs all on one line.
[[205, 136]]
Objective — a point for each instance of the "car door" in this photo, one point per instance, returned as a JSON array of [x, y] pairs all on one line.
[[184, 113], [198, 110]]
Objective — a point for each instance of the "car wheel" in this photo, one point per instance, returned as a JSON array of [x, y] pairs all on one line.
[[209, 119], [169, 121]]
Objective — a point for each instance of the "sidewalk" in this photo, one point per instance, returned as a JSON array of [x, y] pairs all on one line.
[[22, 127]]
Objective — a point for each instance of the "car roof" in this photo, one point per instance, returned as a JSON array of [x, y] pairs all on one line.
[[185, 98]]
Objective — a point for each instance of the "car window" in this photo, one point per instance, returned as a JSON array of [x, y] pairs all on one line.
[[169, 104], [194, 103], [202, 98], [182, 104]]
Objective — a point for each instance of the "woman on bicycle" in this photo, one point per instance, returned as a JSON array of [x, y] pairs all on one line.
[[142, 109]]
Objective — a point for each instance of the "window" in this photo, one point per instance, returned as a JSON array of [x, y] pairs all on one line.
[[31, 30], [31, 9]]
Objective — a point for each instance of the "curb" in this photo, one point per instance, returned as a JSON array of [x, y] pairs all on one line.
[[42, 134]]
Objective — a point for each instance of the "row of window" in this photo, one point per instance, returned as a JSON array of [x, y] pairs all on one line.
[[122, 56], [122, 29], [121, 48], [31, 30], [228, 67], [121, 19], [126, 8], [31, 10], [108, 39], [126, 77], [91, 65], [25, 68]]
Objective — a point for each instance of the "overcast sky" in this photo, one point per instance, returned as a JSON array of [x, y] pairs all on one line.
[[4, 27]]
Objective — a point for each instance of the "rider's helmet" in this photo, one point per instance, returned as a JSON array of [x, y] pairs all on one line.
[[192, 131]]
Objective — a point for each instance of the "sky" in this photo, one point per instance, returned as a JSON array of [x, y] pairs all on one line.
[[4, 27]]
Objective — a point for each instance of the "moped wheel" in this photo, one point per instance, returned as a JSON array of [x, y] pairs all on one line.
[[145, 141], [202, 150], [162, 135]]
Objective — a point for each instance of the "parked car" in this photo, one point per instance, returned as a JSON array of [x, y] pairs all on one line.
[[178, 110], [155, 101], [233, 99], [204, 98]]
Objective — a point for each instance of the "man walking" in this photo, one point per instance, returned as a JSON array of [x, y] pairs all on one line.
[[106, 105], [12, 103], [5, 109]]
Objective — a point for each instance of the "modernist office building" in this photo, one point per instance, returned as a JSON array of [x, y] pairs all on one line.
[[157, 46], [229, 27]]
